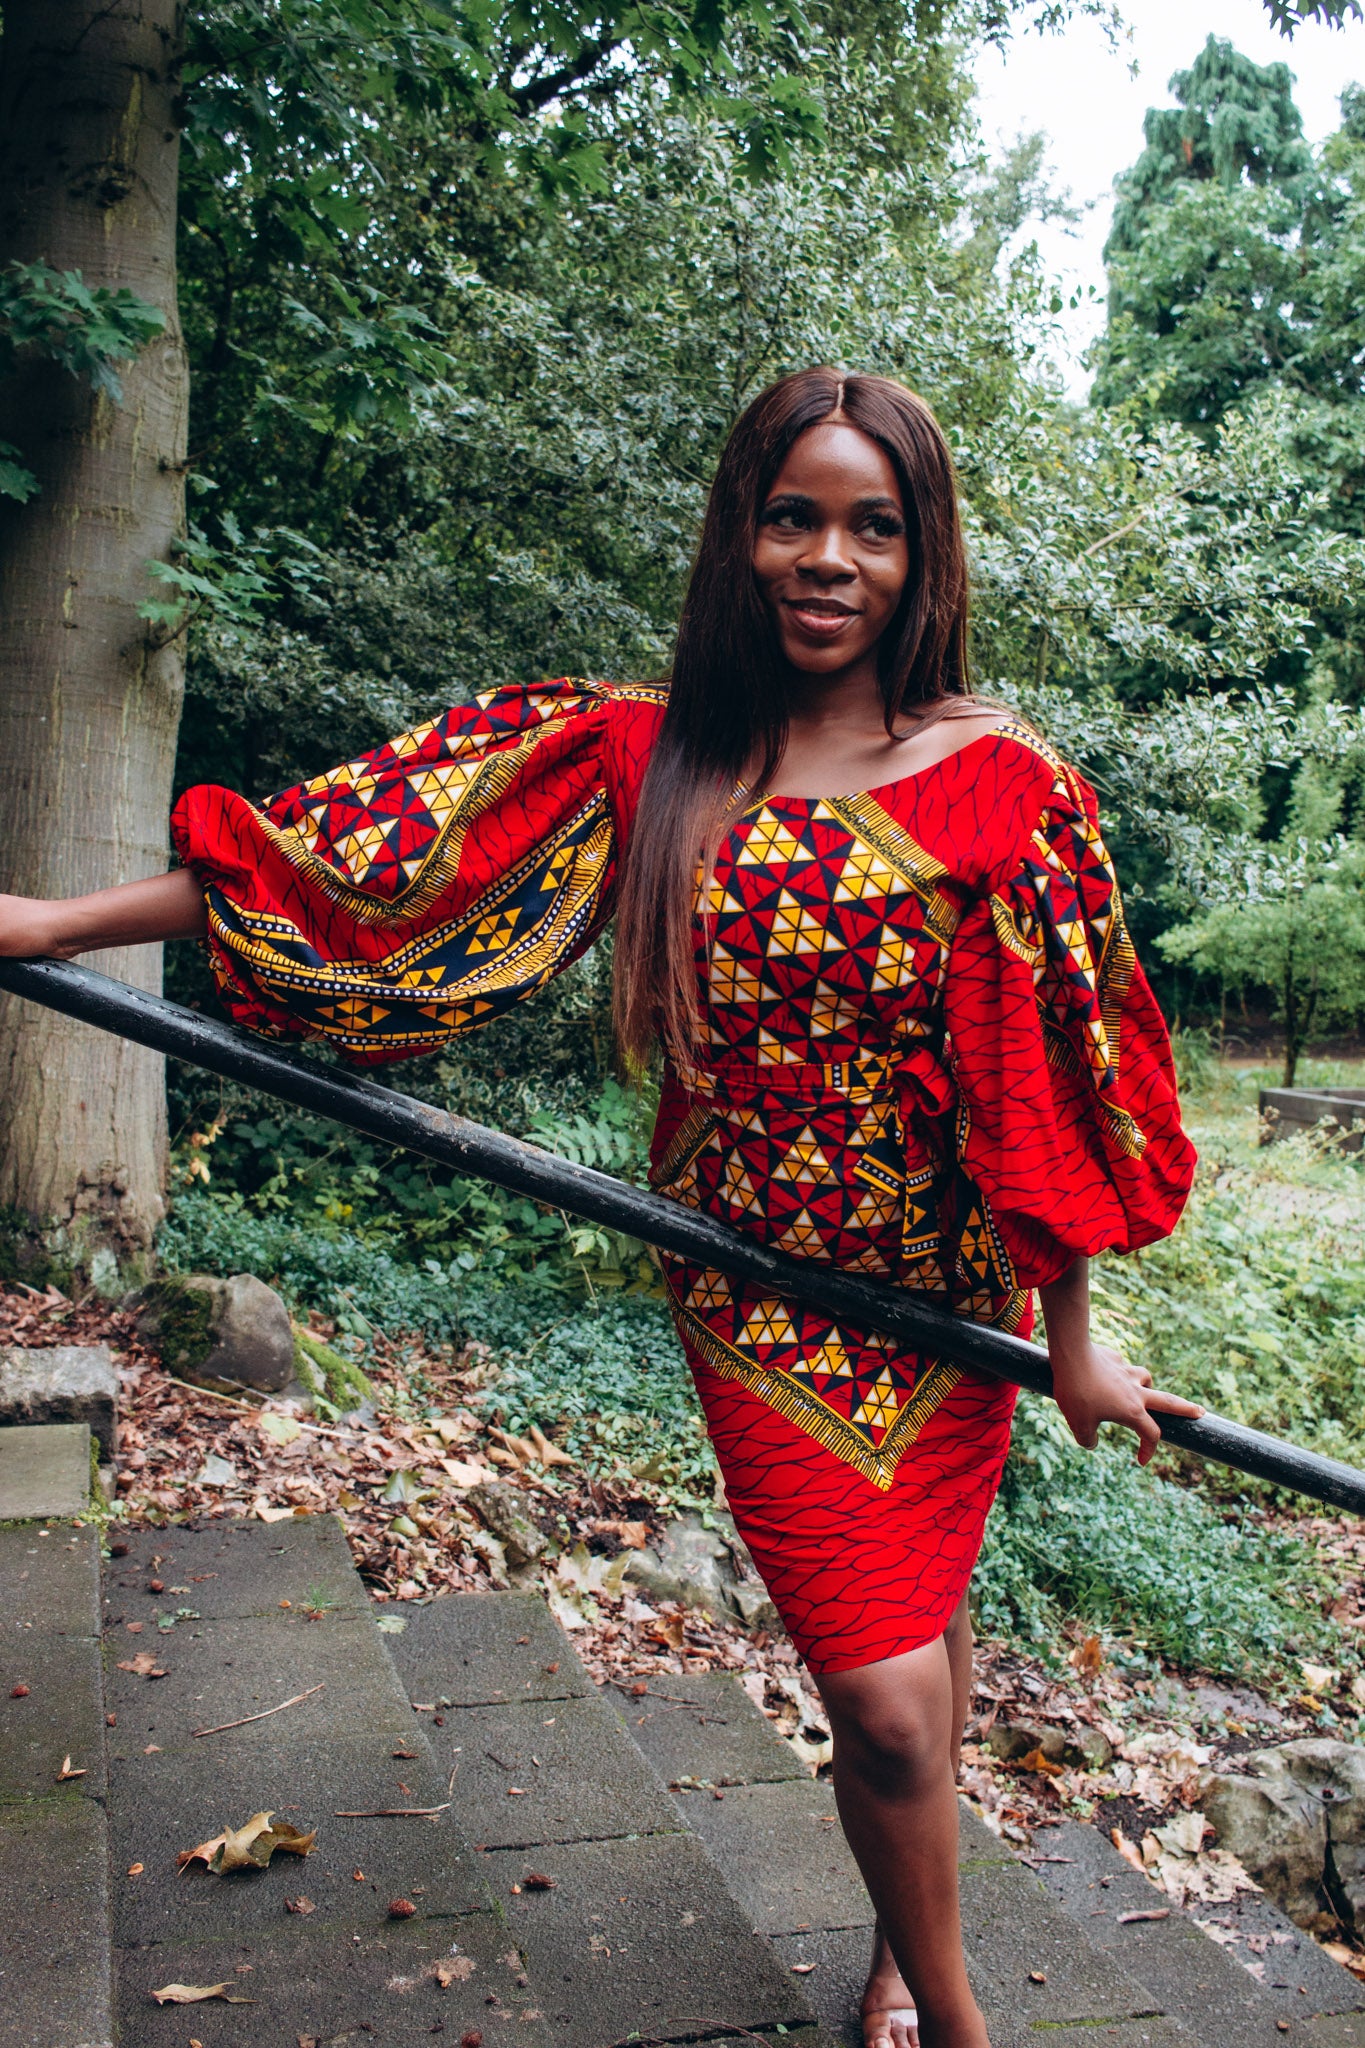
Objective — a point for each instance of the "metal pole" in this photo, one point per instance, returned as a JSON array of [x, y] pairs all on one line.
[[350, 1098]]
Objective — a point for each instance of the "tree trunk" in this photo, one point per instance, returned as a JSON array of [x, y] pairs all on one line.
[[89, 703], [1292, 1035]]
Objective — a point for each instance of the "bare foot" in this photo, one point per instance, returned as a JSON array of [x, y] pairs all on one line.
[[888, 2010]]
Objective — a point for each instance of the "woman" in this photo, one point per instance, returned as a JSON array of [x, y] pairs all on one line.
[[876, 930]]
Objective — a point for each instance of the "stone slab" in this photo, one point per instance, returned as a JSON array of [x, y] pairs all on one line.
[[704, 1725], [235, 1568], [479, 1649], [554, 1771], [1328, 2030], [374, 1985], [55, 1989], [218, 1671], [1012, 1932], [62, 1716], [838, 1959], [834, 1987], [165, 1803], [783, 1854], [51, 1582], [44, 1471], [1183, 1967], [61, 1383], [642, 1937]]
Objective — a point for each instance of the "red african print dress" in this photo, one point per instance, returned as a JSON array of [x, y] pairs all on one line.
[[929, 1055]]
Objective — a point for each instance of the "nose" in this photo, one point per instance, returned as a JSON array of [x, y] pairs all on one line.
[[827, 557]]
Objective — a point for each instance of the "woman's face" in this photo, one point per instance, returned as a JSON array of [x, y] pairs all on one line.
[[831, 554]]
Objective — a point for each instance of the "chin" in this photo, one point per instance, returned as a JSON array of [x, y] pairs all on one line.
[[821, 661]]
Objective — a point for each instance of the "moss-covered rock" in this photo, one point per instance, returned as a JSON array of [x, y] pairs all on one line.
[[233, 1332], [339, 1380]]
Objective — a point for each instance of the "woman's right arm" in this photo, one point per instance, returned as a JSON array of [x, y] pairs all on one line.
[[139, 913]]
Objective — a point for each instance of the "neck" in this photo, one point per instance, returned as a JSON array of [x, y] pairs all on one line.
[[849, 699]]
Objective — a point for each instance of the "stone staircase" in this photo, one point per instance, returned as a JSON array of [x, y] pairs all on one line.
[[587, 1868]]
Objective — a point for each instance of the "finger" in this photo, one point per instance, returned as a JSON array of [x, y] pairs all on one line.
[[1149, 1435], [1171, 1404]]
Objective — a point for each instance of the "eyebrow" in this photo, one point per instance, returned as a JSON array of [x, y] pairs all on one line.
[[802, 498]]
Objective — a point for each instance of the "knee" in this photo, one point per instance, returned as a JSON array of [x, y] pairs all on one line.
[[892, 1748]]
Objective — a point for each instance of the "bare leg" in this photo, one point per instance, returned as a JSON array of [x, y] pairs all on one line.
[[897, 1734]]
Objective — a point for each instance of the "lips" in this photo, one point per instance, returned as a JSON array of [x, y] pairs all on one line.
[[822, 617]]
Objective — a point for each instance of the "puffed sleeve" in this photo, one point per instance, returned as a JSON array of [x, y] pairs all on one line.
[[413, 894], [1068, 1118]]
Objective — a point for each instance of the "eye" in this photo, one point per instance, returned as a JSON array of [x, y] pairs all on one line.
[[785, 516], [884, 525]]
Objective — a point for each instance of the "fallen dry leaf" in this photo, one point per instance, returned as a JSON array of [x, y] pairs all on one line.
[[536, 1881], [66, 1771], [250, 1846], [136, 1869], [18, 1692], [144, 1665], [1036, 1761], [280, 1429], [1129, 1851], [548, 1453], [401, 1909], [195, 1994], [1087, 1659], [299, 1905]]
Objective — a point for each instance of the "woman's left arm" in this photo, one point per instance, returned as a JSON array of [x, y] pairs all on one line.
[[1093, 1384]]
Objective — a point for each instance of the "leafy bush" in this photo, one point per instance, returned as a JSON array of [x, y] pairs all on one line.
[[1090, 1535]]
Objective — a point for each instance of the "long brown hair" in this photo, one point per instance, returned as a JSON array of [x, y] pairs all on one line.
[[729, 694]]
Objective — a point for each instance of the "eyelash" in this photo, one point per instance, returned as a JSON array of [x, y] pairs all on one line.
[[885, 525]]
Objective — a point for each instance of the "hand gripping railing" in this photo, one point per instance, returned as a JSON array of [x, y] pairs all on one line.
[[350, 1098]]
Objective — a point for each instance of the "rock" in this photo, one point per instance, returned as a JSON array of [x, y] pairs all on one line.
[[1299, 1801], [232, 1332], [1013, 1740], [1088, 1748], [502, 1513], [66, 1383], [1082, 1747], [705, 1567]]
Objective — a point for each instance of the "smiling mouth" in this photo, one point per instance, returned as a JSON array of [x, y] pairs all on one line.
[[822, 607]]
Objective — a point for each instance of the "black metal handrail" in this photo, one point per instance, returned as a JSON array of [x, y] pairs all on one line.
[[352, 1099]]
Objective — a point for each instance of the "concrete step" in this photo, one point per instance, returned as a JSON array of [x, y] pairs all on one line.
[[636, 1932], [774, 1835], [1298, 1994], [278, 1612], [55, 1930], [45, 1471]]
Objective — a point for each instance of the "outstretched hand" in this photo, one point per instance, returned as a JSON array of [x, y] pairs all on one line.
[[1092, 1384]]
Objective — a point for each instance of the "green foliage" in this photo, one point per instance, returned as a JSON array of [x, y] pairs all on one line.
[[1090, 1536], [1297, 928], [85, 329], [1257, 1303]]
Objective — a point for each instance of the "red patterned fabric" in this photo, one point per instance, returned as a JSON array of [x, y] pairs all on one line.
[[929, 1055]]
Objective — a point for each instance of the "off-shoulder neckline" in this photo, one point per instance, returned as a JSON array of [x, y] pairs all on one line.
[[879, 789]]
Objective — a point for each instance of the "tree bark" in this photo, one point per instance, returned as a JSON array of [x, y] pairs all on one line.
[[89, 701]]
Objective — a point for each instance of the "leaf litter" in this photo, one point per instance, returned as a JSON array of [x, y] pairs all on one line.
[[420, 1537]]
